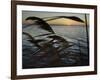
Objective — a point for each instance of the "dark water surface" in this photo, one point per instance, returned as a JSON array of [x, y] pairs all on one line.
[[71, 52]]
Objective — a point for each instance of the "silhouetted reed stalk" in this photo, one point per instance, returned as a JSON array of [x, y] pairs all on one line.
[[87, 35]]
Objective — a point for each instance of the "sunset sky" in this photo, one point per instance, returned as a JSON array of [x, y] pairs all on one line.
[[64, 21], [60, 21]]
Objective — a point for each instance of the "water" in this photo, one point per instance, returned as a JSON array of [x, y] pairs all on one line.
[[76, 54], [69, 32], [74, 32]]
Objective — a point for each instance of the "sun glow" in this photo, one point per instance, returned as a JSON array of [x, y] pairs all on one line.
[[63, 21]]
